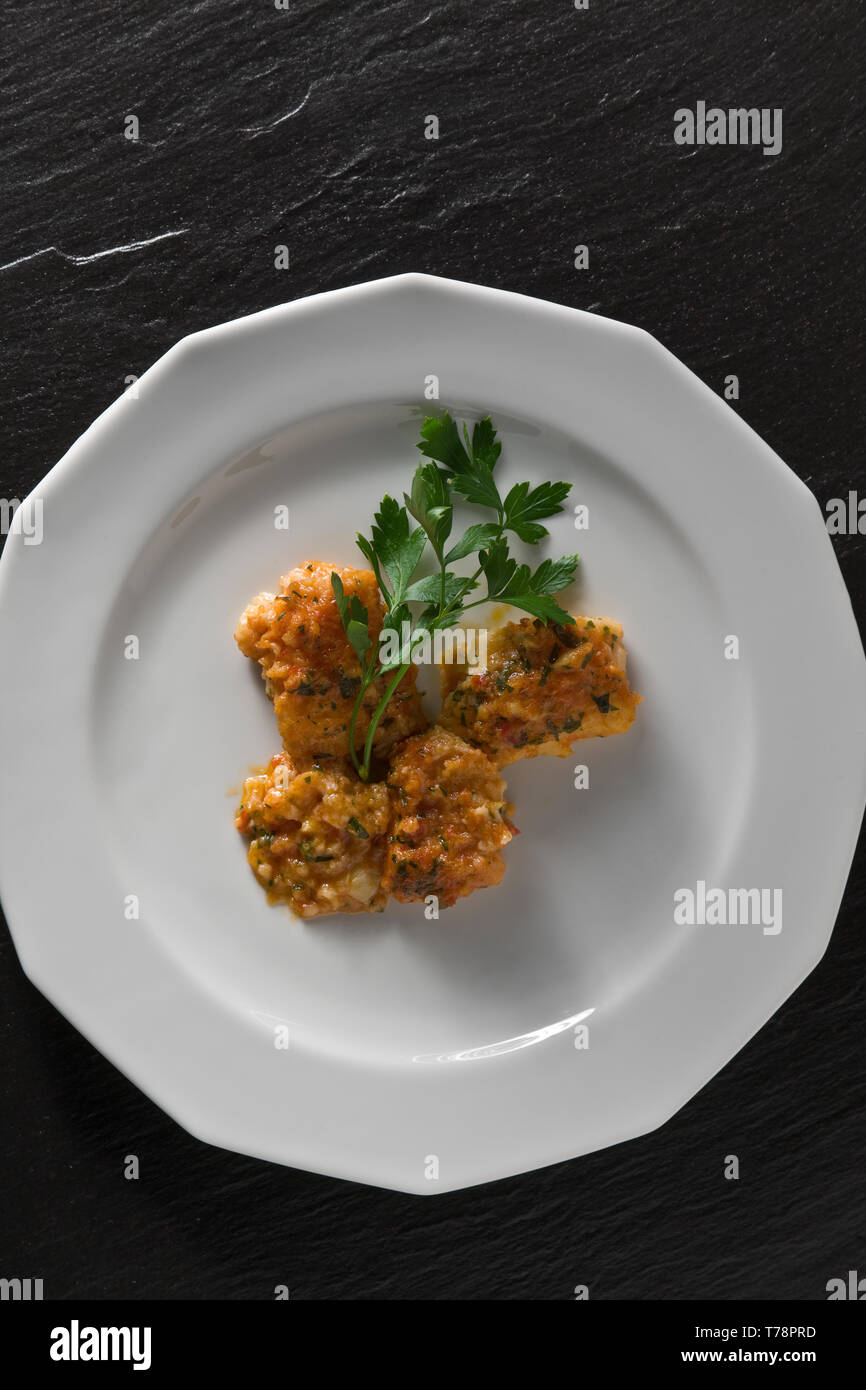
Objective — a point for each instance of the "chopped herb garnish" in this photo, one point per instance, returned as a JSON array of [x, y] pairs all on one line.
[[306, 848], [603, 702]]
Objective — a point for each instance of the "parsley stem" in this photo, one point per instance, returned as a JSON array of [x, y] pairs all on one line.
[[359, 700], [364, 769]]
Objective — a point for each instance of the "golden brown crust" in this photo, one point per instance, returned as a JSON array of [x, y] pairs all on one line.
[[311, 672], [317, 836], [449, 819], [544, 687]]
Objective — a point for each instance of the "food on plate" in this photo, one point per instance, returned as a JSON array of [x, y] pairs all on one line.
[[417, 608], [368, 800], [317, 836], [323, 841], [544, 686], [311, 671], [450, 819]]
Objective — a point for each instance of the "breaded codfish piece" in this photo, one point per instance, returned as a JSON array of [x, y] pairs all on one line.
[[544, 687], [449, 820], [311, 672], [317, 836]]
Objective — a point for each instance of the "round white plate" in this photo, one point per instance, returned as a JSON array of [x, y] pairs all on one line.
[[566, 1009]]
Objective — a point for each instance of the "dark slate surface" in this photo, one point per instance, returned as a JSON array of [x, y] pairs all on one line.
[[556, 128]]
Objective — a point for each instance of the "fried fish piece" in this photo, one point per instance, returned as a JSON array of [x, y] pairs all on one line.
[[450, 819], [317, 836], [311, 672], [544, 687]]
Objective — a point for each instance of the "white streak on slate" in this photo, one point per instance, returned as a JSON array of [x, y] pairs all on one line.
[[96, 255], [254, 130]]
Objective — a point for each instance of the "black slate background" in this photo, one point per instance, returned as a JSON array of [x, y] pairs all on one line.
[[556, 129]]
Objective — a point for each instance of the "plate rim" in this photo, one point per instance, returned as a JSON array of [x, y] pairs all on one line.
[[190, 353]]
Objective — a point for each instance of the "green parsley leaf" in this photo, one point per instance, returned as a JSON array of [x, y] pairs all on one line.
[[476, 538], [470, 464], [372, 559], [498, 566], [553, 575], [430, 504], [525, 506], [396, 547], [478, 487], [486, 448], [539, 605], [353, 616], [517, 585], [440, 440], [429, 589]]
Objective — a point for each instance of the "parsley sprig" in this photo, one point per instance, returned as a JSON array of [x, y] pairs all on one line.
[[455, 464], [469, 464]]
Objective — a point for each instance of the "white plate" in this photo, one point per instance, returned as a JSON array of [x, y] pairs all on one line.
[[413, 1041]]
